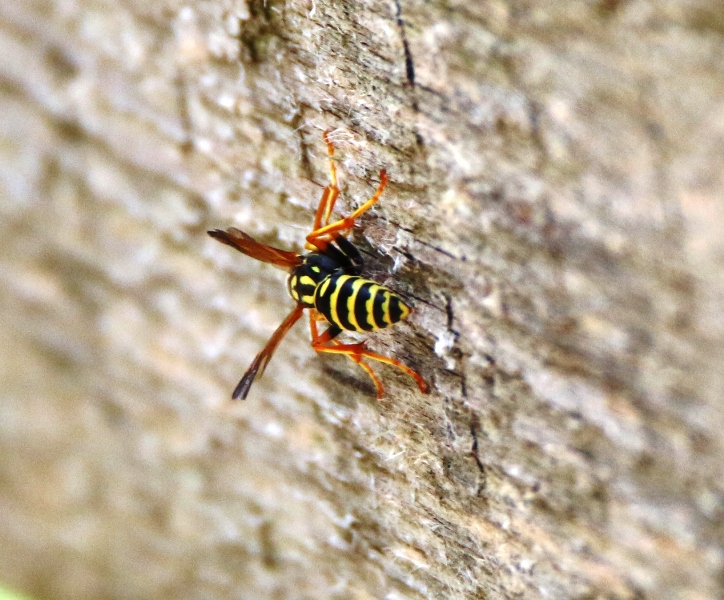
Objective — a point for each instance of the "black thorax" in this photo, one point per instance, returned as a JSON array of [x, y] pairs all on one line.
[[340, 256]]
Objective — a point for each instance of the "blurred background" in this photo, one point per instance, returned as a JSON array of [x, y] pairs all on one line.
[[555, 212]]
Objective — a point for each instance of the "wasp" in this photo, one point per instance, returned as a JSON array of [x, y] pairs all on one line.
[[327, 281]]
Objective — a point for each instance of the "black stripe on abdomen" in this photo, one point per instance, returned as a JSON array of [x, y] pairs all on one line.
[[378, 310], [357, 304], [395, 309], [345, 292], [363, 317]]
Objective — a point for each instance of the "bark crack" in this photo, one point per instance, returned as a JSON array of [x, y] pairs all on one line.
[[409, 64]]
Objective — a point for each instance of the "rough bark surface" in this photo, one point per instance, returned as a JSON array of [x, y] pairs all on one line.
[[555, 209]]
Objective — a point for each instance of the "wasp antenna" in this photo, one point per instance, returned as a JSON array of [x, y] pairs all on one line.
[[262, 359], [242, 389]]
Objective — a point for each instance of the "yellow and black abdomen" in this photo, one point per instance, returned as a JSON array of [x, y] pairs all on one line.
[[356, 304]]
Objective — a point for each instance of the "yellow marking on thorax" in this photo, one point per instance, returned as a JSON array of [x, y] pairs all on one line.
[[307, 280], [292, 286]]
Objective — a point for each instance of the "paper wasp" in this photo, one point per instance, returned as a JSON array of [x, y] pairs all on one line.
[[327, 281]]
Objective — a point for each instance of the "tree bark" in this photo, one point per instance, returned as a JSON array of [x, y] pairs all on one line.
[[554, 210]]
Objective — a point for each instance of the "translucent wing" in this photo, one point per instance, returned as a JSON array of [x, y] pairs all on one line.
[[262, 359], [248, 245]]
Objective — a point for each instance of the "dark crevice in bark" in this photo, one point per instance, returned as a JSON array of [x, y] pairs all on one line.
[[409, 65], [298, 124], [182, 91], [474, 431]]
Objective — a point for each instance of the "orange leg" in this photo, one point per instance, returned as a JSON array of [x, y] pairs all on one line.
[[324, 231], [358, 352], [321, 236], [329, 195], [329, 206]]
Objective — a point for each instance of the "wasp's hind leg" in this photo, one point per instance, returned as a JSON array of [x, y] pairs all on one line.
[[326, 342]]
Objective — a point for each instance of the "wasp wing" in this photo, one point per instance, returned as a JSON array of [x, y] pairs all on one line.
[[262, 359], [248, 245]]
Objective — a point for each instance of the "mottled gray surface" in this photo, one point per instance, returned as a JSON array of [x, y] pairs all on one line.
[[555, 207]]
